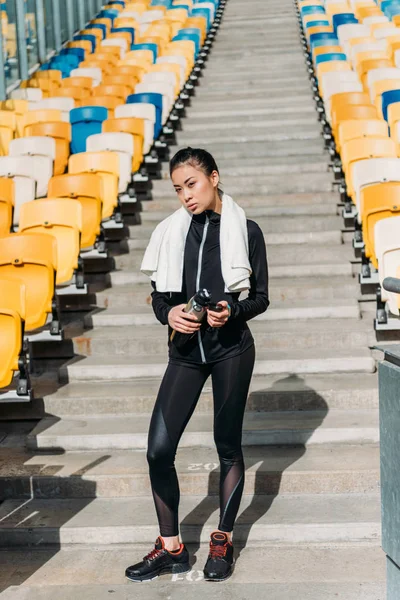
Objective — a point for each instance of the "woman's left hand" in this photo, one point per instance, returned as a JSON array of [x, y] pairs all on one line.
[[218, 319]]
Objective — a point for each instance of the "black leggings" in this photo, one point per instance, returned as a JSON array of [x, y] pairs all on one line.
[[177, 398]]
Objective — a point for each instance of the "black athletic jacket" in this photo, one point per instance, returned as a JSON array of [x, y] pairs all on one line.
[[202, 262]]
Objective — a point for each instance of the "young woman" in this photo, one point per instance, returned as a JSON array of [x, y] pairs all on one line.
[[208, 243]]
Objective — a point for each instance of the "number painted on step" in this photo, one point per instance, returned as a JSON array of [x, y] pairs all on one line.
[[192, 577], [203, 466]]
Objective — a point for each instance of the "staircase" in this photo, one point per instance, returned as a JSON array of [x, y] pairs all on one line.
[[76, 486]]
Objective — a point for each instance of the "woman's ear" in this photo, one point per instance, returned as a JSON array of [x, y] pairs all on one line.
[[215, 178]]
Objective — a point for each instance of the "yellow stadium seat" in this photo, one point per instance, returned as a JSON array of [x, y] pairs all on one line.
[[120, 79], [133, 126], [8, 126], [169, 68], [86, 188], [31, 259], [109, 102], [352, 129], [117, 91], [6, 205], [84, 44], [61, 132], [104, 64], [110, 53], [379, 202], [372, 63], [105, 164], [61, 219], [96, 32], [379, 87], [363, 148], [141, 57], [350, 113], [393, 114], [106, 22], [41, 116], [200, 23], [81, 82], [12, 317], [19, 108], [134, 73], [78, 94]]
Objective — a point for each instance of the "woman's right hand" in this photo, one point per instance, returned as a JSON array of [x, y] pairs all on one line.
[[181, 321]]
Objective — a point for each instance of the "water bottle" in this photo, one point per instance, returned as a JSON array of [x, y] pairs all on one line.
[[196, 306]]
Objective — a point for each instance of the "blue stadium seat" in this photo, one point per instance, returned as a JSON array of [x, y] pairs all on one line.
[[330, 56], [342, 19], [87, 37], [125, 30], [389, 98], [85, 121], [202, 12], [318, 23], [109, 13], [148, 46], [78, 52], [189, 33], [150, 98], [100, 26], [309, 10]]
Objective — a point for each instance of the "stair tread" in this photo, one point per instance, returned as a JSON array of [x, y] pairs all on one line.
[[20, 462], [285, 511]]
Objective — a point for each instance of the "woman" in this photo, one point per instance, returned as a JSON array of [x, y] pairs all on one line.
[[208, 243]]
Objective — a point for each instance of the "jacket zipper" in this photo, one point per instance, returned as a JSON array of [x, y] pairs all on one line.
[[203, 241]]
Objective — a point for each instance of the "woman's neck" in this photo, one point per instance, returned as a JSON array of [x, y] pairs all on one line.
[[216, 205]]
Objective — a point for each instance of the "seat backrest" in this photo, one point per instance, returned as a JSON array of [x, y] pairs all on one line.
[[41, 116], [85, 121], [32, 145], [61, 218], [118, 91], [382, 73], [147, 112], [65, 105], [129, 125], [94, 73], [78, 81], [111, 141], [73, 185], [108, 102], [352, 129], [24, 166], [31, 259], [126, 81], [86, 162], [30, 94], [150, 98], [58, 129], [363, 148], [6, 205]]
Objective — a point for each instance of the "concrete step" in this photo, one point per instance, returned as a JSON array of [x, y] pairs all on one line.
[[287, 136], [302, 101], [308, 163], [268, 393], [280, 335], [272, 220], [260, 185], [304, 518], [124, 473], [310, 572], [281, 292], [279, 591], [268, 363], [327, 270], [275, 319], [259, 429], [197, 114], [259, 149], [260, 124], [282, 254], [307, 237]]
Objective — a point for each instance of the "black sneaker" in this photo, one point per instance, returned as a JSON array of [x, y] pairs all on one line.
[[219, 565], [159, 561]]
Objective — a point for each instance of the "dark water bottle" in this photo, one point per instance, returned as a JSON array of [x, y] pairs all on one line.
[[196, 306]]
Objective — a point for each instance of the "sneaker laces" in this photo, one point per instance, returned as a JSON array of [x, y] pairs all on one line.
[[153, 554], [217, 551]]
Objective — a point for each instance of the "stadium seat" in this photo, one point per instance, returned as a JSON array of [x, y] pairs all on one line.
[[61, 219], [144, 111], [134, 127], [41, 116], [65, 105], [40, 146], [32, 259], [61, 133], [105, 164], [7, 193], [85, 121], [86, 188], [13, 359], [94, 73]]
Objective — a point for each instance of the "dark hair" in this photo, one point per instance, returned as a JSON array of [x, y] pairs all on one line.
[[196, 157]]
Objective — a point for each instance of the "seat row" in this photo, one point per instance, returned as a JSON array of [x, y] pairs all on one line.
[[352, 52], [66, 170]]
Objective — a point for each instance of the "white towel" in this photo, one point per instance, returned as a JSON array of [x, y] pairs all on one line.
[[164, 256]]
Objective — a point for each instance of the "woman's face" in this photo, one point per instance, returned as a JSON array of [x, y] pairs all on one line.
[[196, 191]]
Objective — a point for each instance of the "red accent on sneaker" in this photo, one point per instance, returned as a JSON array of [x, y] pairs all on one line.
[[218, 551], [153, 554]]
